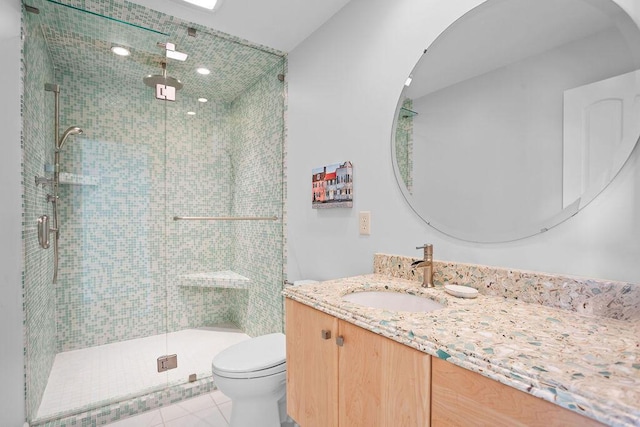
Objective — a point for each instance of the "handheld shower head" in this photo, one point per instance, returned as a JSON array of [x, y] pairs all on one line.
[[73, 130]]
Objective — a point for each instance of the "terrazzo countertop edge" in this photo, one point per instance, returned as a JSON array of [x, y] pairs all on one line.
[[546, 352]]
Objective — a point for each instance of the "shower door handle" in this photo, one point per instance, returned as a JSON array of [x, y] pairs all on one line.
[[43, 231]]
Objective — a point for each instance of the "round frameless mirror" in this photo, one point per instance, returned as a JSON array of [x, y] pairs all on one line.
[[517, 116]]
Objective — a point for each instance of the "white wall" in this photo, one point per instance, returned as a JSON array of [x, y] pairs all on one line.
[[344, 83], [11, 345]]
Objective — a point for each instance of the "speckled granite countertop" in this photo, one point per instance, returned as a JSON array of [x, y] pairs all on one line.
[[590, 365]]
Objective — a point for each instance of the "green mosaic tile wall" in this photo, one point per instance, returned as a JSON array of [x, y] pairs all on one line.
[[257, 154], [110, 285], [120, 244], [38, 145]]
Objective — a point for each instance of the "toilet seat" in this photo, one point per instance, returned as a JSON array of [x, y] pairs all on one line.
[[252, 374], [254, 358]]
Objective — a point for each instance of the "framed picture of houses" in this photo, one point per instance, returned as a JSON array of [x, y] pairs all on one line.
[[332, 186]]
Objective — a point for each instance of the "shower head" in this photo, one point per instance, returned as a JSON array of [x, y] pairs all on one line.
[[73, 130], [162, 79], [156, 79]]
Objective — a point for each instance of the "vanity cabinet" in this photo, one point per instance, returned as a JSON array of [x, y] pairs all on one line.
[[339, 374], [370, 380], [462, 398]]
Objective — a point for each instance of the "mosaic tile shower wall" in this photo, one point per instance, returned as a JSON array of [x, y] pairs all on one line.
[[114, 251], [198, 184], [257, 154], [106, 291], [38, 143]]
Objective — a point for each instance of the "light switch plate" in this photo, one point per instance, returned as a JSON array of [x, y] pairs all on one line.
[[364, 223]]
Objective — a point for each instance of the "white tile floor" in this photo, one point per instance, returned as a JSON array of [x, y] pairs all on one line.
[[209, 410], [117, 371]]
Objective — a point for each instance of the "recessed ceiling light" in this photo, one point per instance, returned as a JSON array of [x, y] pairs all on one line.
[[119, 50], [203, 71], [191, 113], [207, 4], [202, 99], [408, 81]]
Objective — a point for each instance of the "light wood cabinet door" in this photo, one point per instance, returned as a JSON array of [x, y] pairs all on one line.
[[382, 382], [464, 398], [312, 366], [368, 381]]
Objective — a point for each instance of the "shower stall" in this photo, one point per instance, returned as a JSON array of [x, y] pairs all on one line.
[[169, 212]]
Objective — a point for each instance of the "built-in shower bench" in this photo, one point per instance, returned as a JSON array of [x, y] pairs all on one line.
[[214, 279]]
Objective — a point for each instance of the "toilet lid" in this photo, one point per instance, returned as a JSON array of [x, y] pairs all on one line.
[[256, 354]]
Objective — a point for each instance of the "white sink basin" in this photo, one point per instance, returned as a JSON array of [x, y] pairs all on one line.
[[394, 301]]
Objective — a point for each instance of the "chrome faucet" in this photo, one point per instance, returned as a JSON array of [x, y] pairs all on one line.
[[427, 264]]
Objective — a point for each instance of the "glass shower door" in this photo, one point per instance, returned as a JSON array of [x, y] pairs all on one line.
[[135, 284], [112, 232], [109, 305], [224, 183]]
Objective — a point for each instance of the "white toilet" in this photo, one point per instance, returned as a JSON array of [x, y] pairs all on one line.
[[253, 374]]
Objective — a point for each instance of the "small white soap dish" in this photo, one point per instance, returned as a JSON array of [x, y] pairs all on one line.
[[461, 291]]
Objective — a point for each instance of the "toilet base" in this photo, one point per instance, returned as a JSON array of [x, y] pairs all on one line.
[[255, 412], [256, 401]]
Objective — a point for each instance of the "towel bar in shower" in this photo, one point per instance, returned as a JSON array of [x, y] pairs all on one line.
[[225, 218]]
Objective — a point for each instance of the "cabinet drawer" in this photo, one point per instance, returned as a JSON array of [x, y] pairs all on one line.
[[464, 398]]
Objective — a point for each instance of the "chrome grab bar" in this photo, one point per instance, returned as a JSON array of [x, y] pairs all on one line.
[[225, 218]]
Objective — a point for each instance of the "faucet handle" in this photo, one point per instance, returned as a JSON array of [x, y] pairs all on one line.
[[428, 248]]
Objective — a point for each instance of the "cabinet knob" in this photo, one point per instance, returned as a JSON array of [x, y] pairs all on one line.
[[340, 340], [326, 334]]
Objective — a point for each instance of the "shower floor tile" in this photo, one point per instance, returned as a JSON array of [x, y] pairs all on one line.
[[113, 372]]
